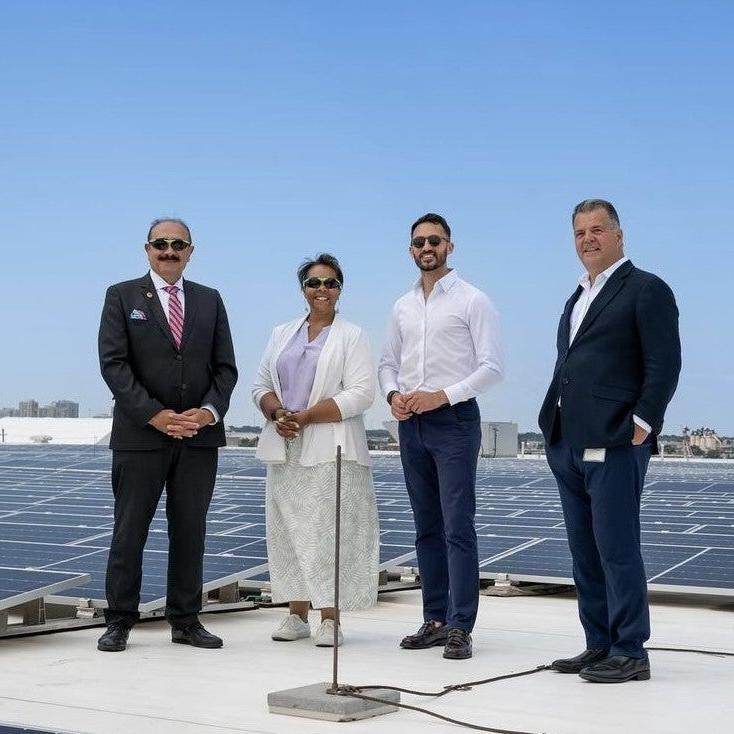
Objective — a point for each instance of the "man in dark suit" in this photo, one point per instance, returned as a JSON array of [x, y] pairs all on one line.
[[166, 353], [617, 369]]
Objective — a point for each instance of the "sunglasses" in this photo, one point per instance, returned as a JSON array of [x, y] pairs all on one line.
[[162, 244], [329, 283], [433, 240]]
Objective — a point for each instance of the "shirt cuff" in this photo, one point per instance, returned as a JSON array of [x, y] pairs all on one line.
[[213, 411], [389, 386], [455, 394], [646, 426]]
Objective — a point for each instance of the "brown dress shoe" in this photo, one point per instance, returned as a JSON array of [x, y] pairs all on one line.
[[458, 645], [429, 635]]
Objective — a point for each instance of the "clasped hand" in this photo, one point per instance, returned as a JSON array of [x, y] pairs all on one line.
[[289, 424], [181, 425], [418, 401]]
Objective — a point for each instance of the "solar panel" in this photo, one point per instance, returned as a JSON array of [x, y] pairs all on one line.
[[21, 585], [56, 512]]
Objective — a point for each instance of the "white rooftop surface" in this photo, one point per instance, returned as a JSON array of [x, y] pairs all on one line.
[[62, 681], [63, 431]]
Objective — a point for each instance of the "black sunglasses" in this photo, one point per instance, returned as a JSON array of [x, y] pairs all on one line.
[[433, 240], [161, 243], [314, 282]]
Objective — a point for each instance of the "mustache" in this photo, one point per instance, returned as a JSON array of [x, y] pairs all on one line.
[[163, 258]]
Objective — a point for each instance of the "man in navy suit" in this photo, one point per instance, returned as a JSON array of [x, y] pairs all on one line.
[[166, 353], [617, 369]]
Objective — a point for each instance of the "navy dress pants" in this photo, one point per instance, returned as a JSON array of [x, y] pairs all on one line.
[[439, 453], [601, 507]]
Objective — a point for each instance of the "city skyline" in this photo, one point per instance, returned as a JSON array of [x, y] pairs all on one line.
[[332, 129], [32, 408]]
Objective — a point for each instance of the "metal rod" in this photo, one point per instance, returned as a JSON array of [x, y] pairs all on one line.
[[337, 542]]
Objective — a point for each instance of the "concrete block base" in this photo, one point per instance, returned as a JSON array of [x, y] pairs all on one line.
[[313, 702]]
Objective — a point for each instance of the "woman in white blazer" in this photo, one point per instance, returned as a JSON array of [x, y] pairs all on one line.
[[314, 382]]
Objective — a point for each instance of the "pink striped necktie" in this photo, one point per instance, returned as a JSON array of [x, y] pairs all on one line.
[[175, 314]]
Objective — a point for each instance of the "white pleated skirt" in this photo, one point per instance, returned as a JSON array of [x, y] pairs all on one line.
[[300, 513]]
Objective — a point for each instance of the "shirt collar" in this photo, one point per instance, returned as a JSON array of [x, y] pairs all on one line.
[[604, 275], [446, 283], [160, 284]]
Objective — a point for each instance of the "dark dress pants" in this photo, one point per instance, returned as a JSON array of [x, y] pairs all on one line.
[[439, 453], [138, 479], [601, 508]]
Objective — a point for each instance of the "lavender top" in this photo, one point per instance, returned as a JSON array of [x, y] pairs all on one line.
[[297, 367]]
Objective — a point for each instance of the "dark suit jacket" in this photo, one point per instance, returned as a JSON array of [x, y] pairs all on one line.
[[145, 371], [624, 360]]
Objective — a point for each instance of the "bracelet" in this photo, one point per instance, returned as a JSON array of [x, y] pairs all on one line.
[[390, 395]]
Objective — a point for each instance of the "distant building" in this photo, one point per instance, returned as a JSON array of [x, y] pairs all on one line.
[[31, 409], [499, 438], [65, 409], [705, 439], [28, 409], [380, 440]]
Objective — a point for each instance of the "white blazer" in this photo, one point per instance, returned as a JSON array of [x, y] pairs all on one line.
[[344, 373]]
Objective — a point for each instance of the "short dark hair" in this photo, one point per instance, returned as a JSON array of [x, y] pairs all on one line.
[[175, 220], [432, 219], [590, 205], [323, 258]]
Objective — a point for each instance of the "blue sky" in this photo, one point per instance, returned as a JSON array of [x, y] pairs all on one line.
[[279, 130]]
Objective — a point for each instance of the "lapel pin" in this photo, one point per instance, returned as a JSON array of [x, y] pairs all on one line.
[[149, 295]]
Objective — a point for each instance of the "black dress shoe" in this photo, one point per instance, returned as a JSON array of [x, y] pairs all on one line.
[[617, 669], [577, 664], [114, 639], [458, 645], [429, 635], [195, 634]]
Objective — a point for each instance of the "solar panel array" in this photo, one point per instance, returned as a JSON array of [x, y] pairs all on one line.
[[56, 513], [20, 585]]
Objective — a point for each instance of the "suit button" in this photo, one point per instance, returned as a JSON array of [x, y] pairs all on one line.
[[178, 357], [566, 380], [183, 387]]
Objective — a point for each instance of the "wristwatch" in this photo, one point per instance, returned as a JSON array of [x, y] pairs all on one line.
[[273, 412], [389, 396]]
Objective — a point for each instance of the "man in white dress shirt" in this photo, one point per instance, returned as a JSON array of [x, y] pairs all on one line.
[[443, 348]]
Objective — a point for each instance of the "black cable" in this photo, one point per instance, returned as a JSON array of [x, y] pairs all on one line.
[[457, 686], [356, 691], [465, 724], [717, 653]]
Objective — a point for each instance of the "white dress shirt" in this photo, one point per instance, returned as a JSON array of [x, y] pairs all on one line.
[[581, 307], [164, 297], [450, 341]]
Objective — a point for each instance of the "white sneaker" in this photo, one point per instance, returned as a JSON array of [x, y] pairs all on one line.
[[324, 636], [291, 628]]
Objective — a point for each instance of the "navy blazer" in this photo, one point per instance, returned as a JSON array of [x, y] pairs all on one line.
[[146, 373], [624, 360]]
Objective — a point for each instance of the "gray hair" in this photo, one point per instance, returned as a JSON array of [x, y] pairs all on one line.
[[590, 205], [174, 220]]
